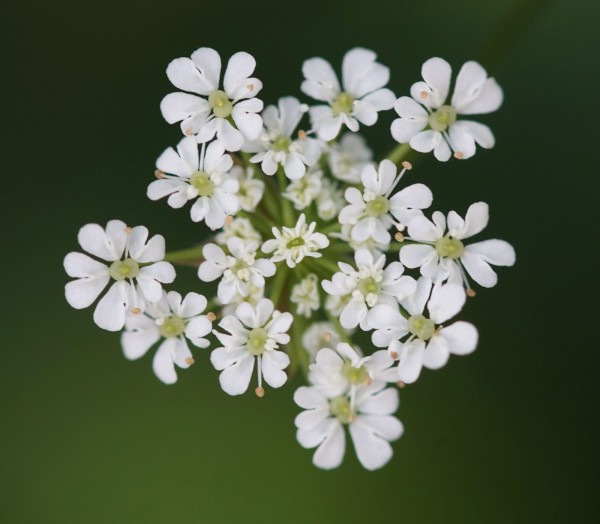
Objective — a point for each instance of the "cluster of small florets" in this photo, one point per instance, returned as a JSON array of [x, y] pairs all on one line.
[[310, 243]]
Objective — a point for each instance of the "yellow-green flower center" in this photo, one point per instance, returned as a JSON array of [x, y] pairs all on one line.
[[368, 286], [122, 269], [340, 408], [342, 104], [451, 248], [172, 326], [442, 118], [421, 327], [377, 207], [355, 375], [220, 104], [201, 181], [295, 242], [257, 340], [282, 143]]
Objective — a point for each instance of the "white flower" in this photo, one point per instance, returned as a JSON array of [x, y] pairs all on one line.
[[359, 99], [319, 335], [369, 212], [376, 248], [255, 333], [330, 200], [211, 113], [305, 295], [429, 344], [251, 190], [444, 255], [238, 227], [293, 244], [368, 417], [136, 269], [369, 285], [337, 372], [348, 157], [276, 146], [204, 179], [474, 93], [303, 191], [239, 270], [172, 320], [255, 295]]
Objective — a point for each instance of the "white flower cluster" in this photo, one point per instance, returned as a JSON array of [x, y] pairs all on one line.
[[310, 243]]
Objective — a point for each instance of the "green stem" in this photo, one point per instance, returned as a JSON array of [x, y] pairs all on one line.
[[278, 283], [339, 328], [398, 154], [193, 254], [286, 205]]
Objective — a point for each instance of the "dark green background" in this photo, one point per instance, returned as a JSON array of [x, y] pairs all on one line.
[[509, 434]]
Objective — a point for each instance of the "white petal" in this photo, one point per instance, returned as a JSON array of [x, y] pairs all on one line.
[[384, 402], [437, 72], [496, 252], [135, 344], [488, 99], [481, 133], [461, 338], [361, 74], [239, 68], [425, 141], [235, 379], [81, 293], [143, 252], [196, 329], [273, 363], [330, 453], [436, 353], [162, 363], [208, 61], [411, 361], [107, 246], [446, 301], [110, 311], [321, 81], [176, 107], [183, 74], [309, 398], [373, 452], [479, 270], [461, 141]]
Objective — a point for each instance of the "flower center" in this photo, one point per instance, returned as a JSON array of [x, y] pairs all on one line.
[[422, 327], [172, 326], [442, 118], [342, 104], [257, 340], [355, 375], [220, 103], [201, 181], [451, 248], [122, 269], [282, 143], [368, 286], [377, 207], [295, 242], [340, 408]]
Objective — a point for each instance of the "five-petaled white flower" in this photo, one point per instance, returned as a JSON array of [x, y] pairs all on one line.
[[474, 93], [254, 333], [444, 255], [239, 270], [368, 416], [203, 178], [305, 294], [293, 244], [172, 320], [429, 344], [367, 286], [359, 99], [275, 146], [213, 111], [372, 212], [136, 268]]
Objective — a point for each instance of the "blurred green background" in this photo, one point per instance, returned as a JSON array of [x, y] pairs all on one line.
[[509, 434]]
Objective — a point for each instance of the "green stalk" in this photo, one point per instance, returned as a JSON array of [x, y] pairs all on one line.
[[193, 254], [399, 153], [286, 205], [278, 284]]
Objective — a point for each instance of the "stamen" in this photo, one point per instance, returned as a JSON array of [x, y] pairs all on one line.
[[398, 178], [135, 310], [159, 174], [400, 384], [327, 337], [407, 165], [228, 220], [128, 230], [260, 392], [423, 95], [301, 134], [189, 131], [458, 155], [250, 87], [394, 355], [211, 316], [189, 361], [471, 292], [399, 237]]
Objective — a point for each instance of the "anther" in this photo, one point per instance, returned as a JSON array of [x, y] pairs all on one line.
[[189, 361], [471, 292], [301, 134], [211, 316], [423, 94], [189, 132], [394, 355], [128, 230], [136, 310], [458, 155], [159, 174], [327, 337], [228, 220], [250, 87], [400, 384], [399, 237], [407, 165], [260, 392]]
